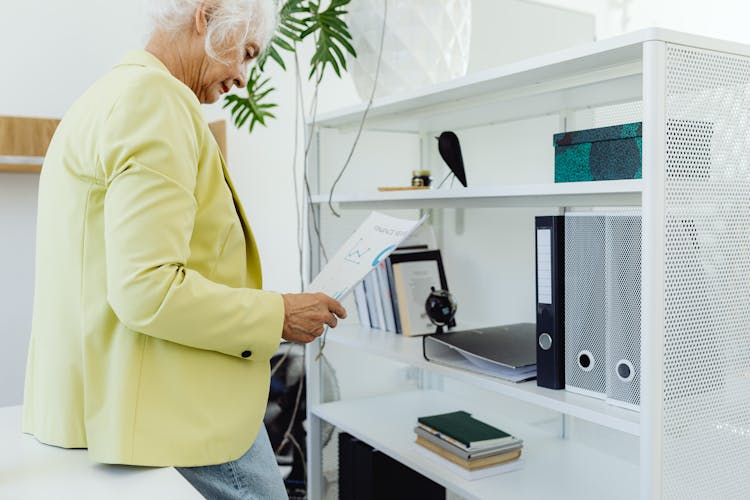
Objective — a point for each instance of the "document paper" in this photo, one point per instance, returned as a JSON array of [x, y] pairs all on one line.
[[373, 241]]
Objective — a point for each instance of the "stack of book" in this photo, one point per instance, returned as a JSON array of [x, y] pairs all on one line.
[[392, 296], [469, 447]]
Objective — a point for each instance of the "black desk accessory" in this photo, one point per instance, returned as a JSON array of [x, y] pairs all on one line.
[[450, 150], [440, 307]]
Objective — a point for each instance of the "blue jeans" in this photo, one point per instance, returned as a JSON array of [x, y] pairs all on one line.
[[255, 475]]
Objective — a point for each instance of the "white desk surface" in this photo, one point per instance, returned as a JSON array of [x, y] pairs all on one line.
[[30, 470]]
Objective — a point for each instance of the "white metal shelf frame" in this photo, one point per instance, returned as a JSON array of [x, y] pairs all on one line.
[[549, 84], [567, 79]]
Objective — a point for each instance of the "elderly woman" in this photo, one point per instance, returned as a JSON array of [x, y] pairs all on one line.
[[151, 334]]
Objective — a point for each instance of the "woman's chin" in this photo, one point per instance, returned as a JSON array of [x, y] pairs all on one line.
[[210, 98]]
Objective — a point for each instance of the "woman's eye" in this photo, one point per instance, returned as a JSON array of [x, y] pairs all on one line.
[[251, 52]]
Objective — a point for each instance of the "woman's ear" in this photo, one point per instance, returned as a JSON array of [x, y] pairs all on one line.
[[201, 18]]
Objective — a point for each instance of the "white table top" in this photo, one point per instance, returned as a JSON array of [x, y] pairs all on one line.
[[32, 470]]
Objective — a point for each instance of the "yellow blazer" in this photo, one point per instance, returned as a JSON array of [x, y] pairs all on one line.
[[151, 338]]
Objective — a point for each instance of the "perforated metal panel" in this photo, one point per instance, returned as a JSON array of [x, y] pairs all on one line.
[[617, 114], [585, 304], [623, 241], [706, 365], [606, 116]]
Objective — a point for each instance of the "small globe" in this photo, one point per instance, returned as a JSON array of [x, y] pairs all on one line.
[[440, 307]]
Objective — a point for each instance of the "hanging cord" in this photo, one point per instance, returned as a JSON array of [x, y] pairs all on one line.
[[297, 201], [354, 145], [288, 432], [299, 450], [322, 342], [364, 115], [305, 164], [281, 360], [299, 108]]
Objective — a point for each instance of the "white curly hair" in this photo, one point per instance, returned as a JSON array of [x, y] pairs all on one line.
[[229, 21]]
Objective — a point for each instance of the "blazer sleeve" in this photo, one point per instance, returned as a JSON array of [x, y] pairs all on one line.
[[149, 154]]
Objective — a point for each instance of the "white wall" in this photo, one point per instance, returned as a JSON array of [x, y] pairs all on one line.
[[52, 51], [725, 19], [17, 221]]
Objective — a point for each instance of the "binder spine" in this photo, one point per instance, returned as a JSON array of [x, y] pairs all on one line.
[[550, 296]]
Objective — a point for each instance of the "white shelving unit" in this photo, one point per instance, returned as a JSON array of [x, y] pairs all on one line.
[[551, 464], [603, 193], [692, 429], [408, 350]]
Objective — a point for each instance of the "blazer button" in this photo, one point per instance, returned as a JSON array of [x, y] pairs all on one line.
[[246, 354]]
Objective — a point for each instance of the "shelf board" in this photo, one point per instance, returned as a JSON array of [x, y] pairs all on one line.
[[598, 193], [553, 466], [409, 350], [604, 72], [21, 164], [20, 168]]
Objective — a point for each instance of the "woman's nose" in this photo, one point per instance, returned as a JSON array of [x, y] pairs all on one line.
[[240, 80]]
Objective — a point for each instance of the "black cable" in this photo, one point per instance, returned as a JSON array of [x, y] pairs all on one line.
[[364, 115], [308, 143], [297, 204]]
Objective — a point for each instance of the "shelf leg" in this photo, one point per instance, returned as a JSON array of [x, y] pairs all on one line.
[[460, 221], [314, 424]]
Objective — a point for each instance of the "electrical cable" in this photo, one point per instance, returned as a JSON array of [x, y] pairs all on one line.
[[354, 145], [308, 143], [299, 103], [278, 363], [300, 108], [322, 342], [297, 204], [294, 413], [300, 451], [364, 114]]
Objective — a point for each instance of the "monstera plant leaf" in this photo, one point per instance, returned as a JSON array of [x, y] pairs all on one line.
[[298, 19], [333, 37], [252, 106]]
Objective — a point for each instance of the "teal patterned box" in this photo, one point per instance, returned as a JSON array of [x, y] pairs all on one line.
[[599, 154]]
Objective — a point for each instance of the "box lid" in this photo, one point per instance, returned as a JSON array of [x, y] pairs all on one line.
[[626, 131]]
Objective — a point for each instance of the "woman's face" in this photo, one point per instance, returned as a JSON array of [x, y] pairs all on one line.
[[216, 78]]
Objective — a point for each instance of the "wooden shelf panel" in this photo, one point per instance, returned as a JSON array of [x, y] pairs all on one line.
[[24, 142], [20, 168]]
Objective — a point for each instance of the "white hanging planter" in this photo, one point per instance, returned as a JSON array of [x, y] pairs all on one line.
[[426, 41]]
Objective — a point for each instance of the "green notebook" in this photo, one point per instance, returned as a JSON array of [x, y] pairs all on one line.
[[462, 427]]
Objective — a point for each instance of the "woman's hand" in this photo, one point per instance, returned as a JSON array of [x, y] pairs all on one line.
[[306, 314]]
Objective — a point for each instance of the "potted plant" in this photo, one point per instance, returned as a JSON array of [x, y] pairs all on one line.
[[298, 20]]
